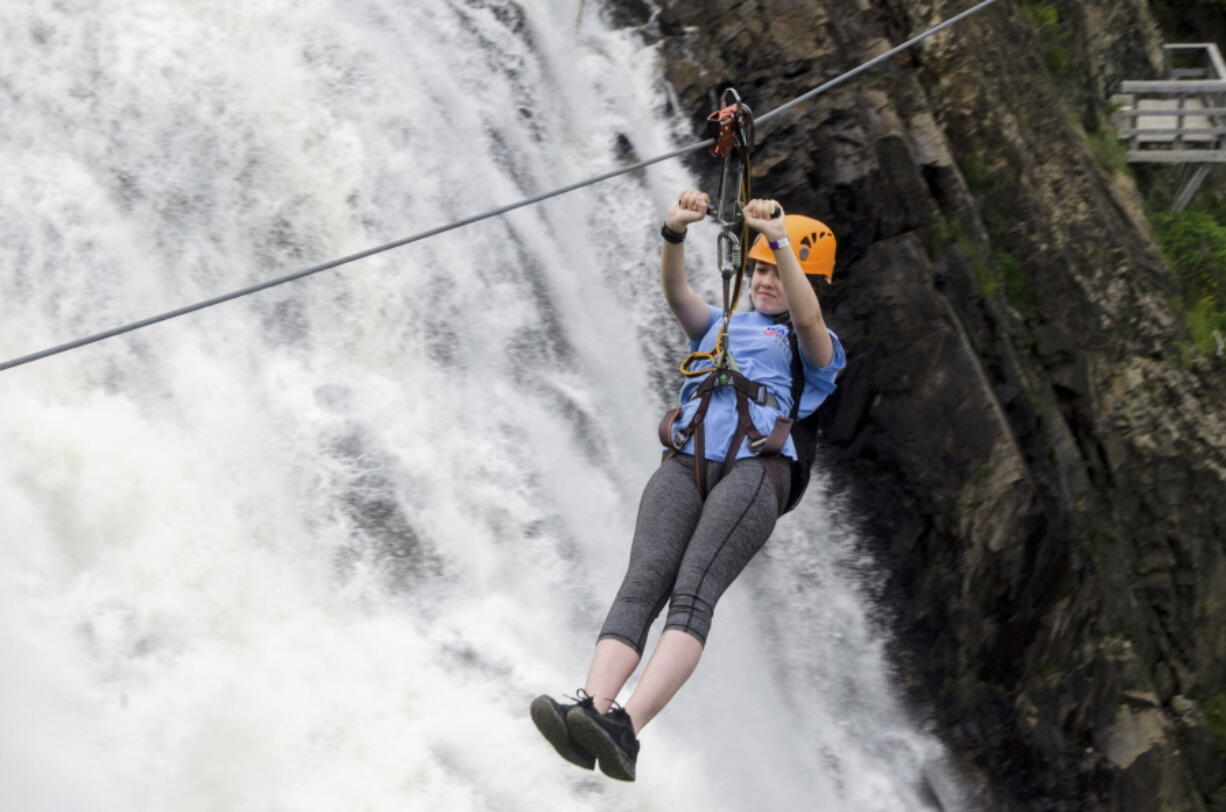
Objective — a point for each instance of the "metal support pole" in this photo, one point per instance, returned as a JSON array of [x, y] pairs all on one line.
[[1190, 188]]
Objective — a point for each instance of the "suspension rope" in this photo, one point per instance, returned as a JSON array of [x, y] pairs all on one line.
[[732, 128], [136, 325]]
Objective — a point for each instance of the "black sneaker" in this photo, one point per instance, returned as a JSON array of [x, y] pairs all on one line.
[[609, 737], [550, 718]]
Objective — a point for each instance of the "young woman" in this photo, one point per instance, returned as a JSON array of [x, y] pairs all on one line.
[[687, 549]]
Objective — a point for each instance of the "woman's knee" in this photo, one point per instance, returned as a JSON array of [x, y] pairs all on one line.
[[630, 618], [690, 613]]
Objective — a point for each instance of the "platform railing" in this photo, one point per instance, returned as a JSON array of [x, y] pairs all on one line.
[[1180, 119]]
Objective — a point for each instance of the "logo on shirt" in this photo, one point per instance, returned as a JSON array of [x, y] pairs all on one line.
[[775, 331]]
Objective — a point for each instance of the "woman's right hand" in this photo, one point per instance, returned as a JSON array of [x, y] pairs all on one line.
[[691, 206]]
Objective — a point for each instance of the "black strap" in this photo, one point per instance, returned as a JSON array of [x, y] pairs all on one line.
[[798, 373], [804, 432], [675, 237]]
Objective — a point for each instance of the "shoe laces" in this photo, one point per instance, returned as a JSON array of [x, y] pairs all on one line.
[[583, 698], [615, 712], [619, 714]]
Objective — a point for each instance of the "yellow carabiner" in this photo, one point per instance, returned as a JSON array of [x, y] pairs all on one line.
[[695, 357], [719, 357]]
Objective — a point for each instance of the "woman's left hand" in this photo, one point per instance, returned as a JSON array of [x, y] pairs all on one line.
[[759, 214]]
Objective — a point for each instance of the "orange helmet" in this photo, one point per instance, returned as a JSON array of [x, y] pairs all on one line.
[[811, 240]]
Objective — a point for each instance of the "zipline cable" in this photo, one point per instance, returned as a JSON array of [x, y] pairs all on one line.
[[136, 325]]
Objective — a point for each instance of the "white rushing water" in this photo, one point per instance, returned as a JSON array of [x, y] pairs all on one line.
[[317, 549]]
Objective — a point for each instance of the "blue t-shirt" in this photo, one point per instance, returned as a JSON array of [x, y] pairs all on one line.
[[763, 354]]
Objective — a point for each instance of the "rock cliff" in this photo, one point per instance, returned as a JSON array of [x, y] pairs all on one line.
[[1036, 452]]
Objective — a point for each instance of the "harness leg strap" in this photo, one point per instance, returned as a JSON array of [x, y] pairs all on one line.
[[778, 436], [746, 426], [733, 448], [700, 461], [666, 428]]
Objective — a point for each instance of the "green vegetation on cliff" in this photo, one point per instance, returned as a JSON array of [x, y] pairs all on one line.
[[1194, 243], [1108, 149], [1053, 36]]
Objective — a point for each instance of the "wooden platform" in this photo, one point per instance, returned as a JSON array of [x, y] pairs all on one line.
[[1180, 119]]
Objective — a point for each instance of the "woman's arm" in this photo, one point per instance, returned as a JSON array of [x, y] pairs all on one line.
[[802, 301], [690, 310]]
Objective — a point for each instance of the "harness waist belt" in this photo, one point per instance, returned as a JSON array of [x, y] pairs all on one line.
[[761, 396], [769, 401]]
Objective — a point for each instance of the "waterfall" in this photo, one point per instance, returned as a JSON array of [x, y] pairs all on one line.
[[318, 548]]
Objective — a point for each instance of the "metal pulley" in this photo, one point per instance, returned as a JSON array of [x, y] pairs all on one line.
[[732, 128]]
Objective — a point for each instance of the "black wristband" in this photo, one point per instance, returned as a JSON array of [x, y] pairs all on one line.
[[674, 237]]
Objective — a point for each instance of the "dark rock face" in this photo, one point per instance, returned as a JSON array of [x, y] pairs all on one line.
[[1041, 461]]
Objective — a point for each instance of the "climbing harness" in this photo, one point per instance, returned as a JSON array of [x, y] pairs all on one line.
[[768, 447], [685, 150]]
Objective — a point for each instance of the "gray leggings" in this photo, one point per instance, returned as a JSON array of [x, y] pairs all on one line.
[[688, 550]]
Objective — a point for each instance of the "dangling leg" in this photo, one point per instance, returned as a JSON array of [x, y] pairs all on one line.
[[674, 659], [736, 521], [612, 664], [668, 511]]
